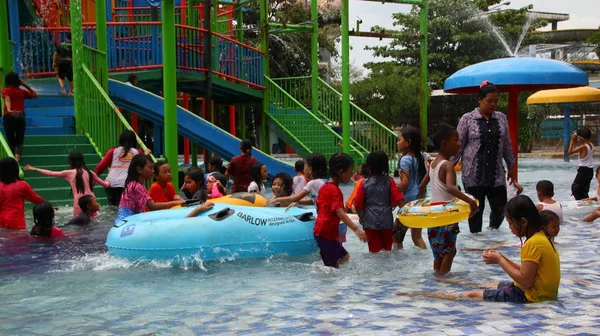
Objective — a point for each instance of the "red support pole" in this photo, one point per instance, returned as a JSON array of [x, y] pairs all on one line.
[[134, 122], [513, 124], [186, 141], [232, 120]]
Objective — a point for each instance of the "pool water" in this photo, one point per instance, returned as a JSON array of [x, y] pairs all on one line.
[[72, 286]]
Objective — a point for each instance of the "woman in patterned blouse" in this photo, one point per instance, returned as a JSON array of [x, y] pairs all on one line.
[[485, 144]]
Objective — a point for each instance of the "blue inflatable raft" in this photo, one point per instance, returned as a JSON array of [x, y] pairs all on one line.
[[225, 231]]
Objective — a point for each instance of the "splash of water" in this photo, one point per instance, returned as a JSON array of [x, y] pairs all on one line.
[[530, 19], [484, 18]]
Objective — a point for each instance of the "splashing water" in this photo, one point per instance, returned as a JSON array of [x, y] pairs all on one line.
[[530, 19]]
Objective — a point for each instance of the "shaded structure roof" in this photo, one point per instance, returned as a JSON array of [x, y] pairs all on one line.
[[573, 95]]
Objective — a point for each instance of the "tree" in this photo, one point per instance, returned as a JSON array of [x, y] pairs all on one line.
[[289, 53], [595, 40]]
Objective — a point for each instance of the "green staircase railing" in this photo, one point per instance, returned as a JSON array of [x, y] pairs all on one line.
[[366, 132], [309, 133], [102, 122]]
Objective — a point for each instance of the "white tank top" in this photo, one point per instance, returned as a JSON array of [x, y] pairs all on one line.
[[556, 208], [119, 166], [438, 189], [587, 161]]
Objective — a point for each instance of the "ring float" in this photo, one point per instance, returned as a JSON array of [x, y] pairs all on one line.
[[422, 213]]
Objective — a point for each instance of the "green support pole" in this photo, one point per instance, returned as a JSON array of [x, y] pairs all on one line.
[[5, 60], [424, 91], [170, 86], [102, 41], [191, 17], [314, 55], [77, 46], [264, 46], [345, 77]]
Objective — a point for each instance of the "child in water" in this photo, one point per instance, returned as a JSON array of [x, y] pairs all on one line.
[[193, 185], [411, 170], [282, 187], [375, 201], [79, 177], [536, 279], [545, 192], [13, 193], [43, 217], [550, 223], [359, 175], [581, 185], [315, 168], [89, 205], [135, 197], [330, 210], [443, 179], [592, 216], [214, 187], [162, 190], [259, 174], [300, 180]]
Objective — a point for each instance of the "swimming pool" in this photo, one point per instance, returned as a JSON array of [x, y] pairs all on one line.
[[73, 286]]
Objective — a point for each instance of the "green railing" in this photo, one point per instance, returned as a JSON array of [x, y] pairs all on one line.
[[309, 132], [102, 121], [366, 132], [96, 62]]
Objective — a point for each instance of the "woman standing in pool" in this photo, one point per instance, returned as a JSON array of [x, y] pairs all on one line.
[[485, 144]]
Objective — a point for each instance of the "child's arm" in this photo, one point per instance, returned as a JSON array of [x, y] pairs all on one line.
[[396, 197], [463, 136], [51, 173], [539, 207], [199, 209], [524, 276], [341, 213], [293, 198], [578, 149], [105, 162], [99, 181], [29, 194], [448, 170], [423, 186], [8, 104], [32, 93], [150, 204]]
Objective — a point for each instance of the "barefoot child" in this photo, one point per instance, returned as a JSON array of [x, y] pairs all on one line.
[[79, 177], [135, 197], [443, 189], [375, 201], [43, 217], [330, 210], [89, 205], [259, 175], [412, 170], [581, 185], [545, 192]]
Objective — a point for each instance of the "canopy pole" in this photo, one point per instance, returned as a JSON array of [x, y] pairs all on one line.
[[567, 130], [513, 125]]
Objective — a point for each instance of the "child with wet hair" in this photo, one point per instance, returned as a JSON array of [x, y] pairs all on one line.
[[550, 223], [545, 192], [43, 217], [89, 204]]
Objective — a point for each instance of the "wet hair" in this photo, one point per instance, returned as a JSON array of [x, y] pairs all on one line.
[[197, 175], [288, 182], [485, 89], [378, 163], [299, 166], [9, 170], [131, 78], [77, 162], [138, 161], [12, 79], [85, 201], [547, 216], [413, 136], [339, 161], [246, 146], [255, 173], [520, 207], [585, 133], [443, 132], [545, 187], [318, 163], [221, 178], [128, 141], [157, 166], [43, 217], [218, 163]]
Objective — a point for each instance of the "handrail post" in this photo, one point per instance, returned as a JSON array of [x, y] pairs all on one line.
[[77, 46], [5, 60], [314, 18], [345, 78], [264, 45], [423, 92], [170, 86]]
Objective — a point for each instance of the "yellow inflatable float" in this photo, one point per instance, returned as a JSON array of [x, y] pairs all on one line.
[[239, 198], [423, 213]]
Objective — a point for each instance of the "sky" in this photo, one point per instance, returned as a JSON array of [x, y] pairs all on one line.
[[583, 14]]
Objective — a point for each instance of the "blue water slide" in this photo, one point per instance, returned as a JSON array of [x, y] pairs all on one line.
[[189, 125]]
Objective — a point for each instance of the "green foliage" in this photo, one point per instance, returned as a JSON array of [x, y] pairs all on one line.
[[595, 39], [289, 53]]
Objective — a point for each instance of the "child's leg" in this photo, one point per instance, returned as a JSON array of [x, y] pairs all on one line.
[[375, 240], [437, 263], [417, 238], [387, 239], [446, 262], [332, 252], [61, 82], [592, 216], [483, 285], [344, 259], [399, 233]]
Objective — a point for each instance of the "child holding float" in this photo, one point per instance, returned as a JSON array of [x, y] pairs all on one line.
[[375, 199], [282, 186], [315, 168], [79, 177], [135, 197], [330, 210], [443, 177]]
